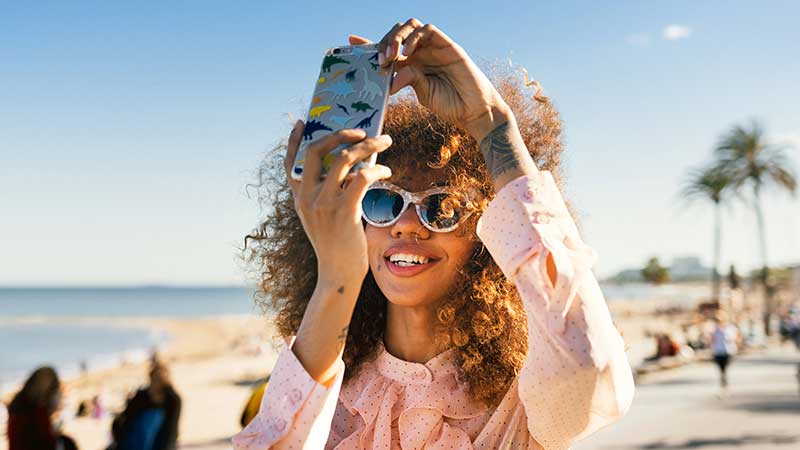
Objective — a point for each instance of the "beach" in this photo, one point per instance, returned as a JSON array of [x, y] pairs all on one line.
[[215, 362]]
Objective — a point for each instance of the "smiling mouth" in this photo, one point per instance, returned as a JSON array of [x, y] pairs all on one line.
[[407, 267], [407, 261]]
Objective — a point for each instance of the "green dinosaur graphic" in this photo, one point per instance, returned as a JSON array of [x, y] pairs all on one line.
[[361, 106], [330, 60]]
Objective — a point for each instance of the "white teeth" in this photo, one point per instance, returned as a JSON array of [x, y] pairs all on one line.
[[408, 259]]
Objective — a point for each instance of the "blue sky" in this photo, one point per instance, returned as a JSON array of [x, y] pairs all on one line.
[[128, 132]]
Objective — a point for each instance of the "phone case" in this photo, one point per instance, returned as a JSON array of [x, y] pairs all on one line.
[[352, 91]]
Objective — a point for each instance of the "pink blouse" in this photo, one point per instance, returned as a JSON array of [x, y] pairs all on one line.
[[575, 378]]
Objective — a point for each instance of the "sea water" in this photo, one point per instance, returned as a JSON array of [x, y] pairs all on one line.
[[62, 327]]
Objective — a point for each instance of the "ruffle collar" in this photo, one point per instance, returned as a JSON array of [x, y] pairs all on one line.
[[391, 386]]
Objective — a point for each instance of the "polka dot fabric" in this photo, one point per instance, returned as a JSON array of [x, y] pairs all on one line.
[[575, 379]]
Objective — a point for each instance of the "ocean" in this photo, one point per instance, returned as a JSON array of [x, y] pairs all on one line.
[[55, 326]]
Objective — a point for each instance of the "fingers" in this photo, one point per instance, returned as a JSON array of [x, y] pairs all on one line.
[[291, 150], [358, 40], [418, 37], [348, 157], [390, 44], [359, 184], [318, 149]]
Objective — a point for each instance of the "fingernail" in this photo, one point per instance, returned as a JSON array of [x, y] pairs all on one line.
[[389, 51], [386, 138], [381, 58]]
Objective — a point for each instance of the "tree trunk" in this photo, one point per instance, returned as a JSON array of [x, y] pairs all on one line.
[[768, 300], [715, 277]]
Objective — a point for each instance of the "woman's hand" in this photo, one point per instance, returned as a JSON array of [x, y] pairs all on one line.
[[330, 213], [443, 76], [449, 83]]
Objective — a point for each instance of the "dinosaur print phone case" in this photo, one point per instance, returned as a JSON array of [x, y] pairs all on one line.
[[352, 91]]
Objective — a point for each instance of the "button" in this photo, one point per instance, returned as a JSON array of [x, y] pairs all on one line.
[[276, 424], [294, 396], [529, 194], [542, 218]]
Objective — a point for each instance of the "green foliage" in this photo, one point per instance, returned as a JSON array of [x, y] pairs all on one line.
[[654, 272], [708, 183], [746, 157]]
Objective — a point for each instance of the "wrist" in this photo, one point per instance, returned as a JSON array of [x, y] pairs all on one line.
[[494, 115]]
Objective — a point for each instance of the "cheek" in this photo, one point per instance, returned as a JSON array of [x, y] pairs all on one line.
[[460, 249], [375, 239]]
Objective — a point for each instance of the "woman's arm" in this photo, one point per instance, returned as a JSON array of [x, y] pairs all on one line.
[[576, 377], [298, 404]]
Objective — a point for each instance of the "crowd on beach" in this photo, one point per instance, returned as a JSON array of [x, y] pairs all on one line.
[[148, 422], [41, 414], [717, 331]]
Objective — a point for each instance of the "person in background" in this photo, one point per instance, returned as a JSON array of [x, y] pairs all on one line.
[[723, 346], [30, 414], [150, 419]]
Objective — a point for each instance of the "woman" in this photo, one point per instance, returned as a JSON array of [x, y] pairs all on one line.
[[402, 330], [30, 414]]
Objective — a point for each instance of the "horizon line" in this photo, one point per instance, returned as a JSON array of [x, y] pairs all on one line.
[[123, 286]]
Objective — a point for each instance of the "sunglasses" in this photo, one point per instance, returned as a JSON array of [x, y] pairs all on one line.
[[384, 203]]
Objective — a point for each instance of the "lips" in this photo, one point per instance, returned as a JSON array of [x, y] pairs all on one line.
[[413, 269]]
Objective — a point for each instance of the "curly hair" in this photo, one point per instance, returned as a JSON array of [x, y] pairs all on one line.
[[483, 316]]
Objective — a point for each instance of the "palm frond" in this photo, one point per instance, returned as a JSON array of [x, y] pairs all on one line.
[[709, 183], [746, 156]]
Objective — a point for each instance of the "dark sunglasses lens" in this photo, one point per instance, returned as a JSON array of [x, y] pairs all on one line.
[[431, 210], [382, 205]]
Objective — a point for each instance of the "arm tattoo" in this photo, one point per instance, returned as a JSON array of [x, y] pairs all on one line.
[[340, 290], [499, 151]]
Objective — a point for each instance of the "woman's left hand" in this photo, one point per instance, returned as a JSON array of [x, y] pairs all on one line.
[[441, 73]]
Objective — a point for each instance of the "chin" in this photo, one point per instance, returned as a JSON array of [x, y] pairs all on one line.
[[408, 292]]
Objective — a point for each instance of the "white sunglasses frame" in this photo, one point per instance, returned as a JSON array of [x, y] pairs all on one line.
[[409, 198]]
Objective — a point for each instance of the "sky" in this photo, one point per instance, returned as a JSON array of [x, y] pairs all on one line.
[[128, 132]]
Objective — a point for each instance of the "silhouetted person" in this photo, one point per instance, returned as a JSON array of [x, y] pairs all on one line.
[[30, 414], [723, 346], [734, 280], [150, 419]]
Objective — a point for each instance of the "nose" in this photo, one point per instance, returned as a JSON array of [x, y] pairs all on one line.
[[409, 225]]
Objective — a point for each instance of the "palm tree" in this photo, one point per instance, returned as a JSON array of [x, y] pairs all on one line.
[[710, 183], [748, 158]]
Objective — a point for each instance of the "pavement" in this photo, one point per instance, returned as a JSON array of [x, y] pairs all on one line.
[[682, 408]]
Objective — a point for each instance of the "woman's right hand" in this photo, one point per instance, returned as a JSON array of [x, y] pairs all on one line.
[[330, 213]]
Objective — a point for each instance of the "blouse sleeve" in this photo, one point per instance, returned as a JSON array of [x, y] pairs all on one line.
[[576, 377], [296, 410]]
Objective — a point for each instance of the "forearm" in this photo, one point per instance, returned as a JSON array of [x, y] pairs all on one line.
[[321, 338], [502, 146]]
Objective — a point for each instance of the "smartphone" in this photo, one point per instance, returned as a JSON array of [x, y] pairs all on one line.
[[352, 91]]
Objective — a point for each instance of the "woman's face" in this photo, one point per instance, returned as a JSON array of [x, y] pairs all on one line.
[[442, 253]]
